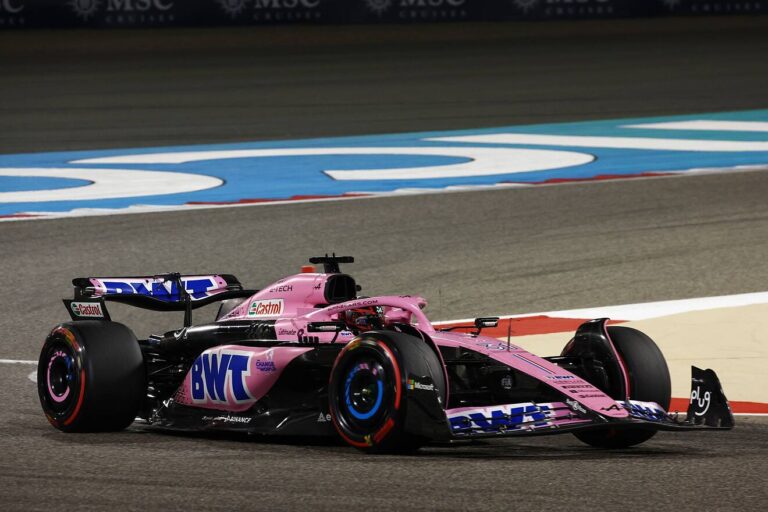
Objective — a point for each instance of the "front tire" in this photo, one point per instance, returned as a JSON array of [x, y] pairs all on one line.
[[91, 377], [370, 391], [649, 381]]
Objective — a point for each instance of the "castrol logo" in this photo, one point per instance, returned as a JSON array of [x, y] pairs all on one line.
[[87, 309]]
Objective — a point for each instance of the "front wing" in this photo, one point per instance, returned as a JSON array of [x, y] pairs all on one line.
[[708, 410]]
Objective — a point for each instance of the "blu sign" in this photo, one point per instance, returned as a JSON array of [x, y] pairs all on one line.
[[220, 377], [196, 287], [504, 417]]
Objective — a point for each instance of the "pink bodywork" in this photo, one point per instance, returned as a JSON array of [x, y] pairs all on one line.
[[293, 303]]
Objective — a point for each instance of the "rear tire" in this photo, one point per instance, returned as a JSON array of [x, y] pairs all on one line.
[[370, 396], [649, 381], [91, 377]]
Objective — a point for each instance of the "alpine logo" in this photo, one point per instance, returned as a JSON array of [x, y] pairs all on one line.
[[220, 377], [264, 308], [87, 309]]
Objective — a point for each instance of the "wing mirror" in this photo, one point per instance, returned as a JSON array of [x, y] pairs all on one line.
[[480, 324], [487, 321]]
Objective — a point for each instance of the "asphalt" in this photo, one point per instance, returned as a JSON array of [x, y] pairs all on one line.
[[470, 253], [128, 88]]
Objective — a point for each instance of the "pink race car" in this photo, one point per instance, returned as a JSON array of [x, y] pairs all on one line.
[[308, 356]]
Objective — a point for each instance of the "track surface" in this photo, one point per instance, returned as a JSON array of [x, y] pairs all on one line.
[[482, 252], [87, 90]]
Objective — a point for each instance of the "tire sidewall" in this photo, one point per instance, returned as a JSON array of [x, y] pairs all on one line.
[[369, 435], [649, 376], [649, 381], [111, 380], [62, 342]]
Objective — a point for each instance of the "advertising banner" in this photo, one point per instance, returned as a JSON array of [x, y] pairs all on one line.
[[15, 14]]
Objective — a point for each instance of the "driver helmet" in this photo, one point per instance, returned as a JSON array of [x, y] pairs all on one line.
[[363, 319]]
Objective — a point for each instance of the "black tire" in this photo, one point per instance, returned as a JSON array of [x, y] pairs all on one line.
[[370, 398], [649, 381], [91, 377]]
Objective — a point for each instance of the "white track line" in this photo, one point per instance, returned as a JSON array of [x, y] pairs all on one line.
[[106, 184], [705, 125], [17, 361], [581, 141], [142, 208], [646, 310], [649, 310]]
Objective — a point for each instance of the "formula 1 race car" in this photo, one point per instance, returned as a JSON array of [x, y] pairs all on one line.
[[308, 356]]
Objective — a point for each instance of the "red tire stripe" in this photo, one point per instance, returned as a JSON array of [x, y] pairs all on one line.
[[336, 425], [79, 399], [398, 384], [70, 337], [357, 444], [383, 431]]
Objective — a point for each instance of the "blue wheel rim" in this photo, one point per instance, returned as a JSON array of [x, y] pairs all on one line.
[[353, 388]]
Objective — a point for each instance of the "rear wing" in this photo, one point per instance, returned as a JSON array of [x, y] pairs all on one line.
[[163, 292]]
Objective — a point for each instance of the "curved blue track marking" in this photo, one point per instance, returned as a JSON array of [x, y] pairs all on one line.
[[283, 169], [21, 183]]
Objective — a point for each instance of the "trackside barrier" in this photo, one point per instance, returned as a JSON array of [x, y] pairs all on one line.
[[160, 13]]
